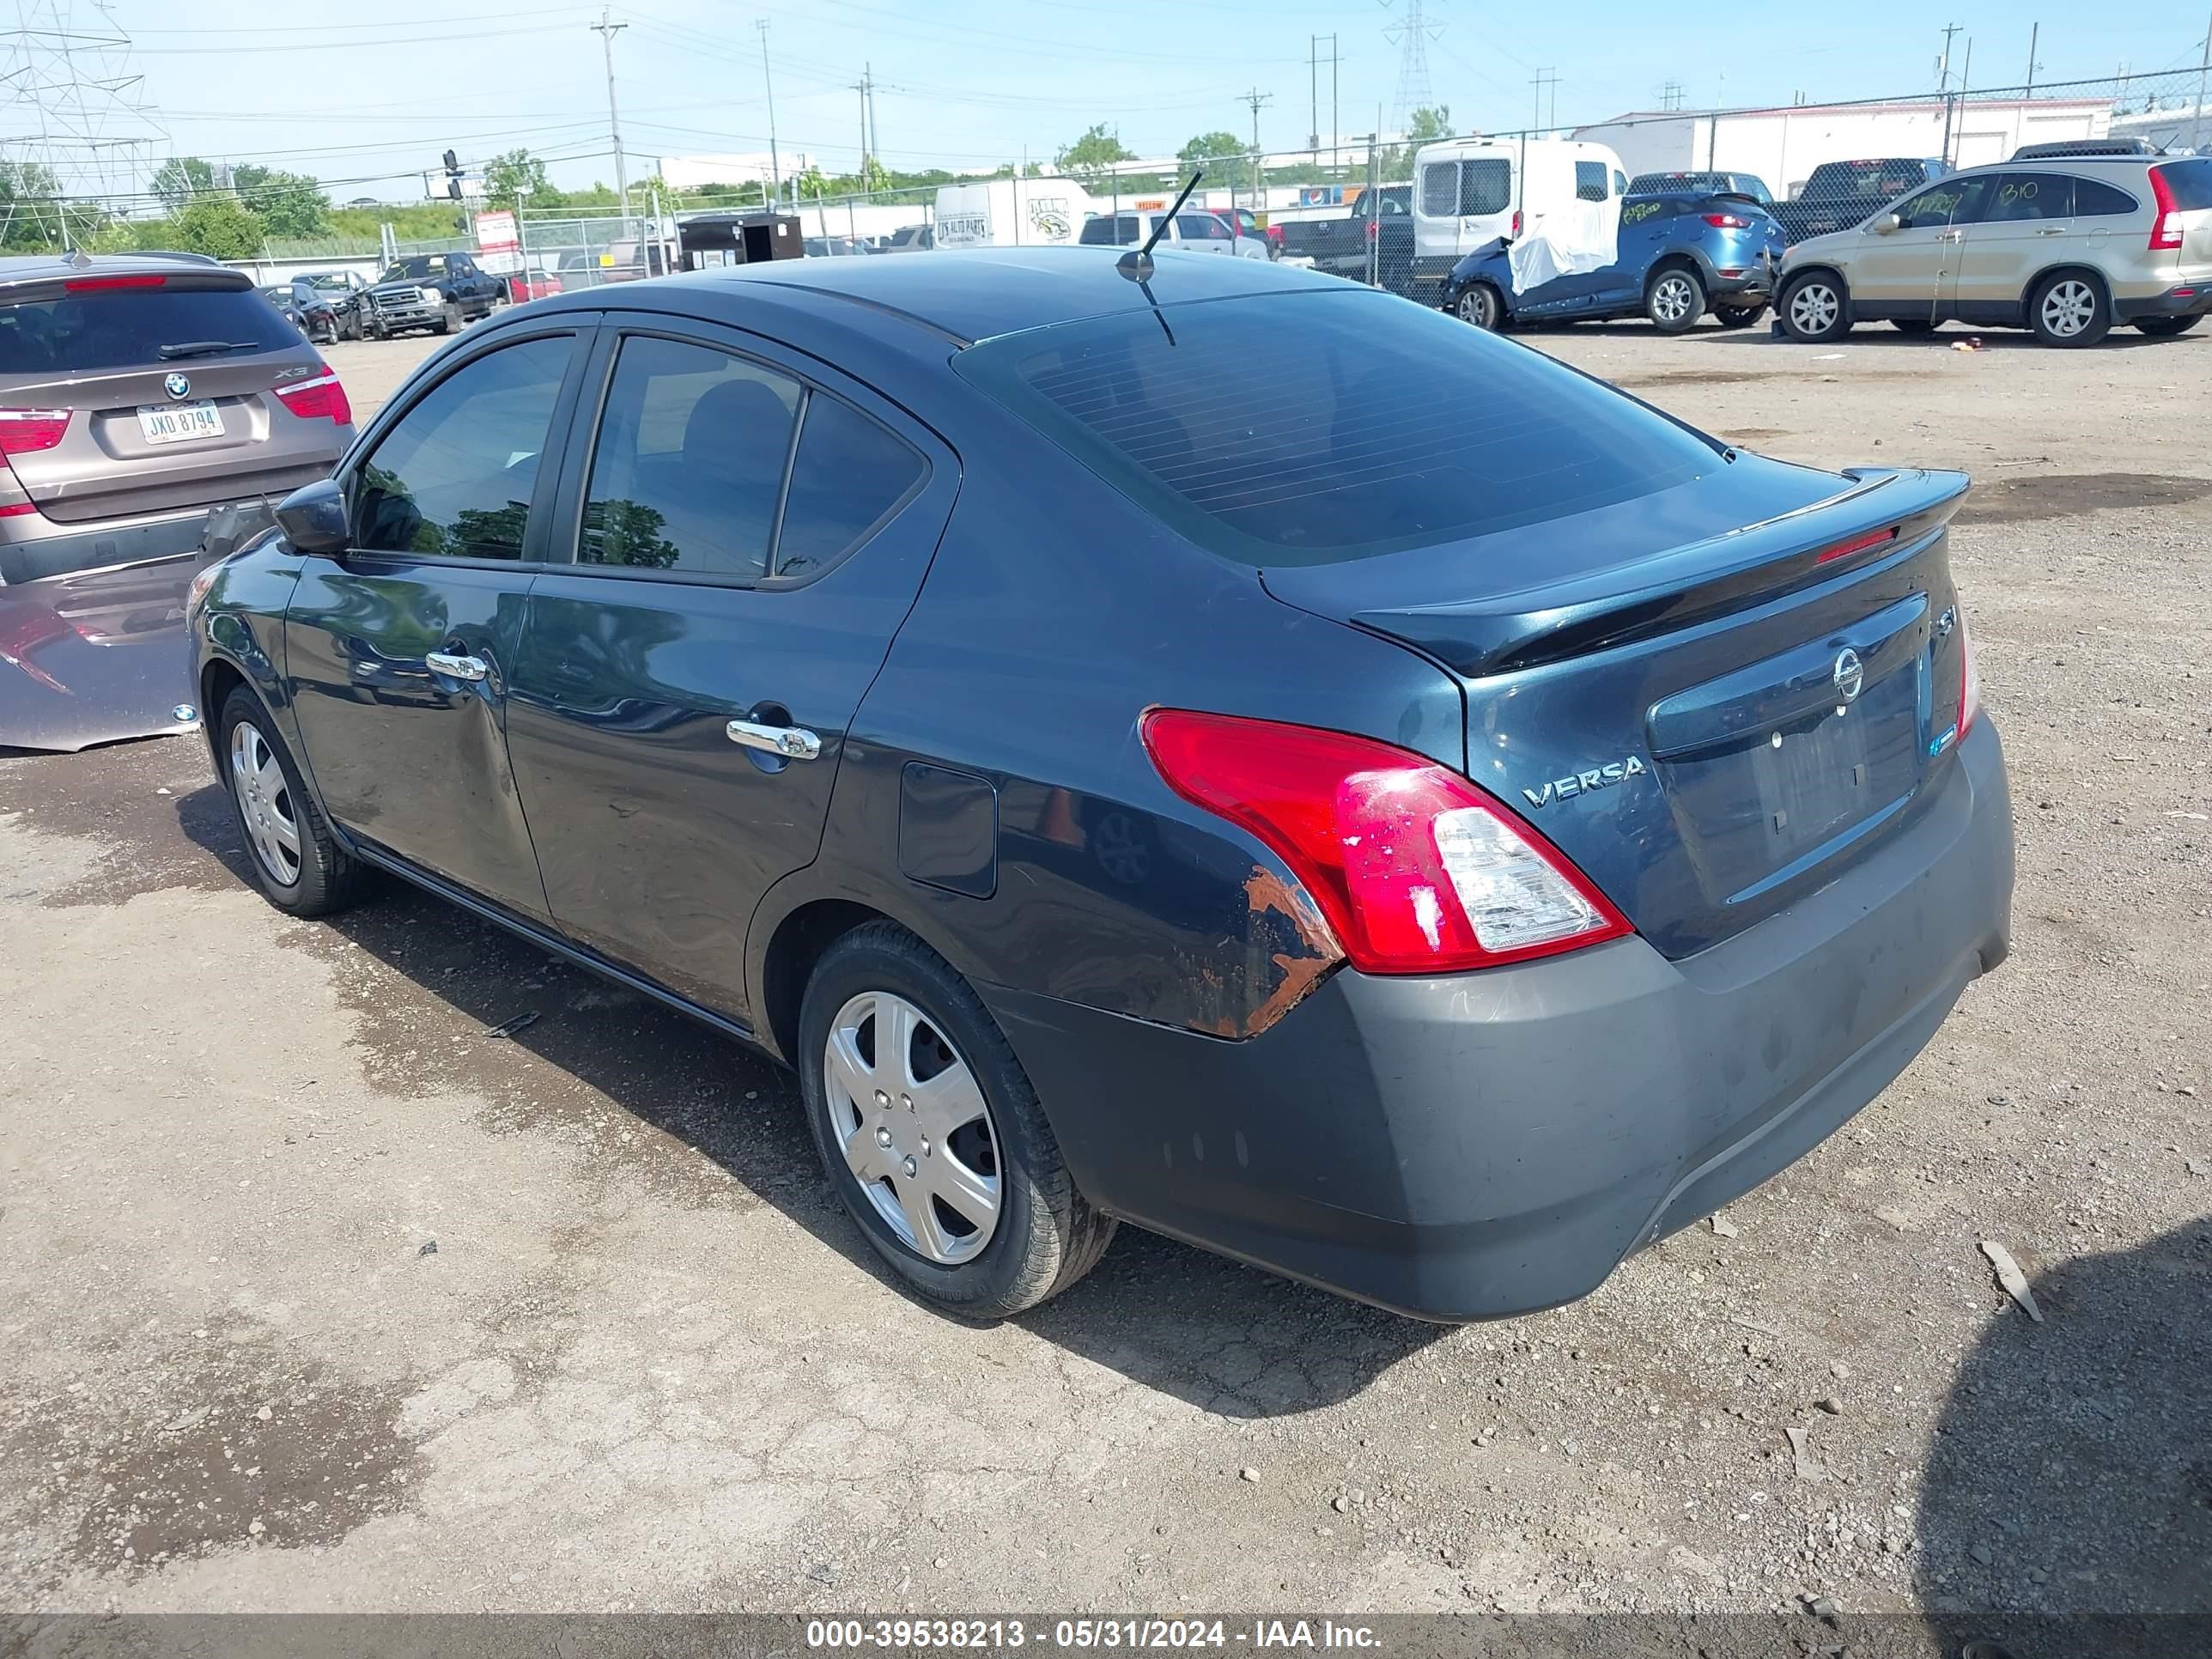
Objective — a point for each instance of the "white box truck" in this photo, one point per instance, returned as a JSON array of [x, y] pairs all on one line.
[[1013, 213]]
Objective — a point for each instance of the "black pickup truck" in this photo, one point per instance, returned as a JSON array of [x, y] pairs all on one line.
[[1339, 244], [1840, 194], [441, 292]]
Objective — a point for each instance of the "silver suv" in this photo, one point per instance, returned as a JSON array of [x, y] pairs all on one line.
[[2067, 246], [138, 394]]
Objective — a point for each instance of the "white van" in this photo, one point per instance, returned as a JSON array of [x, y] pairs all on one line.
[[1468, 192], [1012, 213]]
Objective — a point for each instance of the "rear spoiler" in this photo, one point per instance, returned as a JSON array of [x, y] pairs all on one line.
[[1884, 512]]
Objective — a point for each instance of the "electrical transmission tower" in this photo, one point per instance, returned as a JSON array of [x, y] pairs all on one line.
[[1411, 34], [76, 112]]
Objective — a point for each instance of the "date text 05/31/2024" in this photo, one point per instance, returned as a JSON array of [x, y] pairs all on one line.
[[1141, 1633]]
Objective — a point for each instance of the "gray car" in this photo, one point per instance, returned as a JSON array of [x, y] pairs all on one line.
[[149, 408]]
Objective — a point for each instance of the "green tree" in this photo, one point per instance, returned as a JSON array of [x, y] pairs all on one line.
[[181, 179], [286, 203], [30, 208], [1209, 146], [1089, 157], [218, 226], [1430, 123], [517, 180]]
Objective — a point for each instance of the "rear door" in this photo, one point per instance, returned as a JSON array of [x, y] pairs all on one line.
[[2027, 219], [748, 530], [401, 650]]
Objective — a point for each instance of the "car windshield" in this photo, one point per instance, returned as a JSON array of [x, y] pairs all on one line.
[[328, 280], [1321, 426], [415, 269], [126, 328]]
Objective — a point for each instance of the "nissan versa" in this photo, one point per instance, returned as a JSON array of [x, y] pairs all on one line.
[[1234, 752]]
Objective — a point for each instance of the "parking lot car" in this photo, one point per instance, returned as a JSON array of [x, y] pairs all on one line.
[[1377, 229], [2066, 247], [341, 291], [1679, 257], [1837, 194], [1680, 184], [1244, 224], [137, 394], [1194, 229], [441, 292], [1431, 859]]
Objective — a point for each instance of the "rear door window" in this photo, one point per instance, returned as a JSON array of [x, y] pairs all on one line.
[[1485, 186], [91, 325], [1390, 426], [1201, 227], [1440, 188], [454, 477], [1590, 181], [2095, 199], [692, 446], [2018, 196], [849, 477]]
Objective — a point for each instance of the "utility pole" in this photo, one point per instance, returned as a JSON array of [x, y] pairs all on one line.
[[1256, 98], [1313, 96], [875, 132], [1943, 84], [606, 30], [1545, 77], [861, 87], [774, 162], [2033, 31], [2203, 70]]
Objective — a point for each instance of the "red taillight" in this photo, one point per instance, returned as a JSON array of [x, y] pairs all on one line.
[[18, 509], [27, 431], [1969, 679], [320, 400], [1727, 221], [1517, 221], [1275, 234], [95, 284], [1417, 871], [1374, 230], [2165, 229], [1857, 544]]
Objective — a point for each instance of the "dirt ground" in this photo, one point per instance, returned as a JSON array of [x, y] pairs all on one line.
[[319, 1296]]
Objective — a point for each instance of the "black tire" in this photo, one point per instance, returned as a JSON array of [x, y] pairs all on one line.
[[2070, 308], [450, 321], [1481, 305], [2162, 328], [1815, 307], [325, 879], [1738, 316], [1914, 325], [1047, 1235], [1674, 299]]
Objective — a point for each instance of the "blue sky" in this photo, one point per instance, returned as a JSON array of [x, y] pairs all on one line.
[[307, 85]]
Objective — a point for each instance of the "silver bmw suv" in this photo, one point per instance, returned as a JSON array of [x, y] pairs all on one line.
[[140, 396], [2068, 247]]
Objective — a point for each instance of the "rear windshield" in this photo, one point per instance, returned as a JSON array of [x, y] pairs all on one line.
[[127, 327], [2190, 181], [1315, 427]]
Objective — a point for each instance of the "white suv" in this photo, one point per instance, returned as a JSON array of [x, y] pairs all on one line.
[[2066, 247]]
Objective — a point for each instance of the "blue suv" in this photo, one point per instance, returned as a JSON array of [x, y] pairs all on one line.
[[1679, 256]]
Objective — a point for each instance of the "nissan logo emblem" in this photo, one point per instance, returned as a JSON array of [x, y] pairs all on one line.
[[1849, 675]]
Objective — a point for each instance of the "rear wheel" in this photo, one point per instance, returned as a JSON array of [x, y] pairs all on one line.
[[2163, 327], [1675, 301], [1814, 310], [2070, 309], [1913, 324], [300, 868], [932, 1135], [1738, 316], [1479, 305]]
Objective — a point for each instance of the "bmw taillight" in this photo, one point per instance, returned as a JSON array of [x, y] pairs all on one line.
[[2166, 227], [1417, 871], [27, 431], [1727, 221], [320, 400]]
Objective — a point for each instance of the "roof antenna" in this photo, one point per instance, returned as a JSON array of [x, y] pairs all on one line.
[[1137, 264]]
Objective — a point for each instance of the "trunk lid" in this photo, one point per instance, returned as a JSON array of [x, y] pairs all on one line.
[[1714, 698], [94, 352]]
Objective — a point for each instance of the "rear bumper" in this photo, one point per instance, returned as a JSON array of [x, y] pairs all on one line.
[[1493, 1144], [2188, 299]]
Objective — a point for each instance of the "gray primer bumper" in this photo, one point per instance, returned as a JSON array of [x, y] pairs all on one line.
[[1492, 1144]]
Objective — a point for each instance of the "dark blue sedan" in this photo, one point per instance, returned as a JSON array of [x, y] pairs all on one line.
[[1232, 751], [1679, 256]]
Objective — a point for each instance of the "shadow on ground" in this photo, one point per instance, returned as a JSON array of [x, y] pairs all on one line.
[[2067, 1509], [1227, 1338]]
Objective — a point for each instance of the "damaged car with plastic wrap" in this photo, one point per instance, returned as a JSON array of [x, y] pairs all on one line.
[[152, 409], [1423, 822]]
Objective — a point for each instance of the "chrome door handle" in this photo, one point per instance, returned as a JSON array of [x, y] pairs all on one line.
[[1951, 236], [2051, 230], [791, 742], [461, 668]]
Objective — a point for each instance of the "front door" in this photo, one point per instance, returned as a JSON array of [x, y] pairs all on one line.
[[746, 535], [1912, 271], [399, 650]]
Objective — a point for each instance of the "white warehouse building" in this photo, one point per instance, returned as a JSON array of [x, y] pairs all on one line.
[[1783, 145]]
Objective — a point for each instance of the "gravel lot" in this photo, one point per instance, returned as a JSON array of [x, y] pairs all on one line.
[[318, 1297]]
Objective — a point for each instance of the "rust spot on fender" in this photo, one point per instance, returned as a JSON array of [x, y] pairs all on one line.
[[1314, 950]]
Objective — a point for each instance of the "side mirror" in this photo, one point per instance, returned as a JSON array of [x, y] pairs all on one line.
[[1889, 222], [313, 518]]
